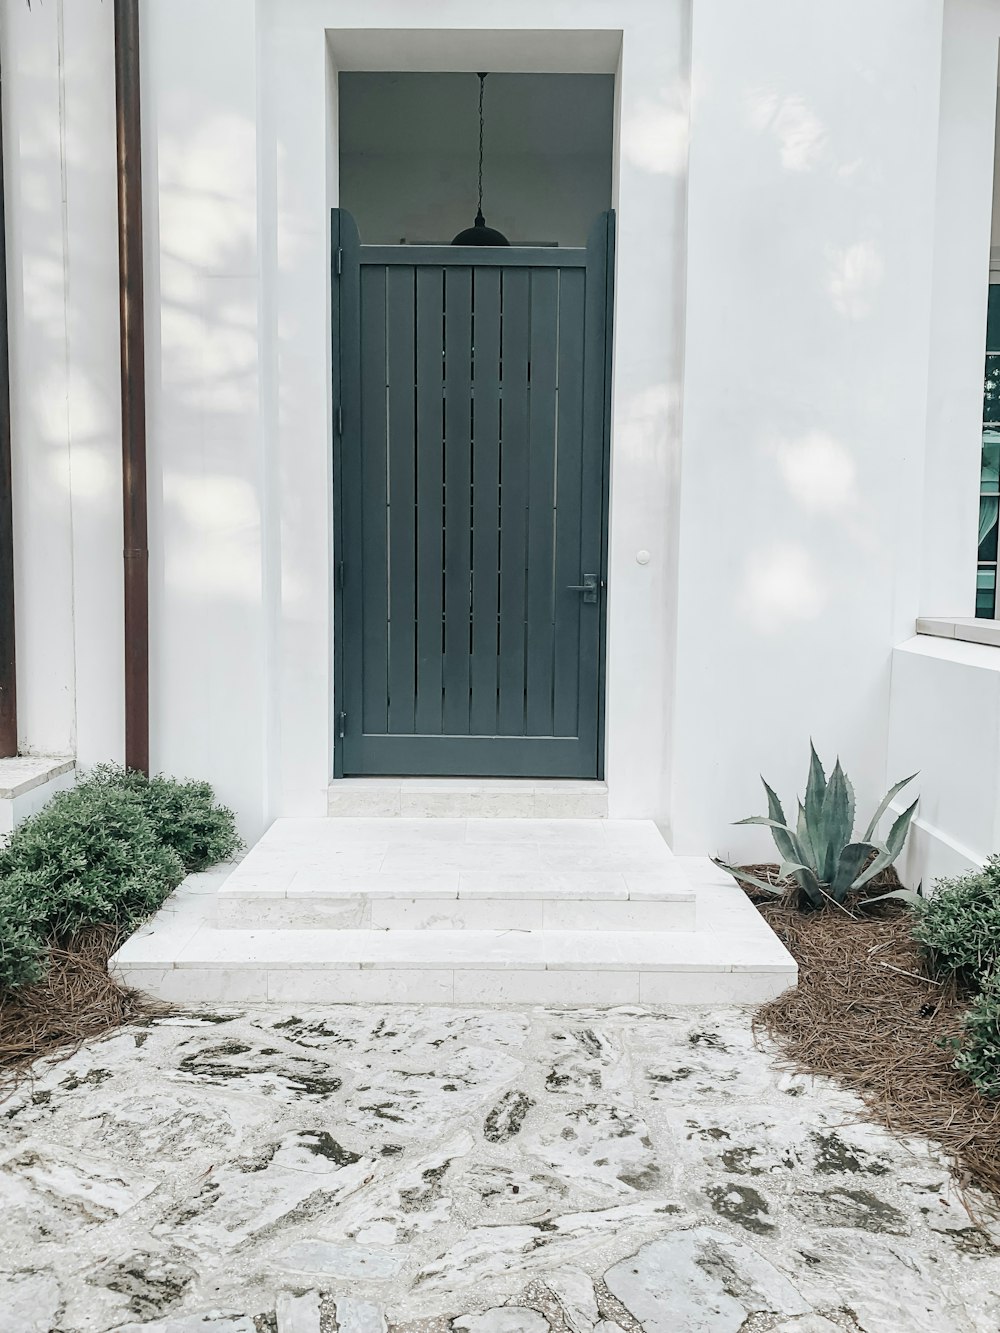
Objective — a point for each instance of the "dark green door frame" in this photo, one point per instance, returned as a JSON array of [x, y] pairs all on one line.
[[471, 430]]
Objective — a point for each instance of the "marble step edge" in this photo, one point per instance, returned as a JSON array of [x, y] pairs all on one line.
[[262, 886], [421, 950], [567, 990], [382, 912], [665, 972]]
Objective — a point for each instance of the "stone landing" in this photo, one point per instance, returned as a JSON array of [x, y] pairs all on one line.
[[469, 911]]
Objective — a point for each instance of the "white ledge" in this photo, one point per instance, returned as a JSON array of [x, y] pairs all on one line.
[[966, 628], [28, 771]]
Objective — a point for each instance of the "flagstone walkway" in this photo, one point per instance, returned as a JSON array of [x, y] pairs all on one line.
[[507, 1171]]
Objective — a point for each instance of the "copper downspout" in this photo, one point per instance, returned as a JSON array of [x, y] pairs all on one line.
[[8, 655], [133, 377]]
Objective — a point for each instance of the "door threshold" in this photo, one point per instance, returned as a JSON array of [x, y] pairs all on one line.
[[469, 798]]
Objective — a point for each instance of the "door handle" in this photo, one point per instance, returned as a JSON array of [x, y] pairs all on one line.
[[588, 587]]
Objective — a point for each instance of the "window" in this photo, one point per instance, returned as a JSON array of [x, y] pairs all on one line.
[[989, 477]]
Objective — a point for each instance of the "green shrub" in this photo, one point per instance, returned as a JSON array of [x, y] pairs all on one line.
[[820, 853], [979, 1056], [958, 927], [106, 852], [184, 814]]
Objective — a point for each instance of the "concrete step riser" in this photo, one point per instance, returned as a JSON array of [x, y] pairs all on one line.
[[365, 798], [249, 913], [451, 986]]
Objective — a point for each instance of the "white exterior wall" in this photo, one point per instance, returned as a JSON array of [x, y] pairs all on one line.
[[812, 229], [796, 374], [205, 425]]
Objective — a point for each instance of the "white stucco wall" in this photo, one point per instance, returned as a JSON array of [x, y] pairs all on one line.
[[813, 234], [207, 429], [797, 359]]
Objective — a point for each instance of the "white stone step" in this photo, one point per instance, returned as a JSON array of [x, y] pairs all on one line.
[[365, 904], [465, 798], [733, 957], [488, 874]]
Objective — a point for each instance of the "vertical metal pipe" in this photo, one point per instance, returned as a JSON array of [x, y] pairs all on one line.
[[8, 655], [133, 380]]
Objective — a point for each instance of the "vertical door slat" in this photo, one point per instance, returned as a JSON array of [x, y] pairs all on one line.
[[402, 498], [541, 501], [569, 479], [373, 454], [457, 500], [430, 514], [513, 499], [485, 499]]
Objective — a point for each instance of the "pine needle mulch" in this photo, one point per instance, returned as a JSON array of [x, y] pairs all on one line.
[[76, 1000], [866, 1013]]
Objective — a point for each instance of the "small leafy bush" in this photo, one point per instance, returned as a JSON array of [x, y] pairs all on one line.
[[819, 853], [979, 1054], [958, 927], [106, 852]]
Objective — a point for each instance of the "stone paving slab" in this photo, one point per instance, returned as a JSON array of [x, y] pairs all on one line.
[[413, 1169]]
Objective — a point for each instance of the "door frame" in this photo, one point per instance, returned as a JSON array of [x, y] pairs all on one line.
[[338, 349]]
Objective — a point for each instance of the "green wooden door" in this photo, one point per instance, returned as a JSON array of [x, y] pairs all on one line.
[[470, 420]]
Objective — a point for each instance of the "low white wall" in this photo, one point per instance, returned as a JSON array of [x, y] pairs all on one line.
[[944, 723]]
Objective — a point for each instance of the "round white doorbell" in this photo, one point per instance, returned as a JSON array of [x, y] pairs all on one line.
[[642, 557]]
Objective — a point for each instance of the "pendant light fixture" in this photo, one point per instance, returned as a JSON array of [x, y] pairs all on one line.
[[479, 233]]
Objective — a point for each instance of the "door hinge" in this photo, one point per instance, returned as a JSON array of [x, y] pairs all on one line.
[[338, 262], [340, 420], [341, 725], [341, 578]]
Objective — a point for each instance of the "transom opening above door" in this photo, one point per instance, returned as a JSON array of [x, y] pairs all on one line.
[[409, 155]]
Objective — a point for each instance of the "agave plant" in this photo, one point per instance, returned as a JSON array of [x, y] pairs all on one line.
[[819, 853]]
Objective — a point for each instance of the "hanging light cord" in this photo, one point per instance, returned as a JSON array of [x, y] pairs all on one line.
[[482, 85]]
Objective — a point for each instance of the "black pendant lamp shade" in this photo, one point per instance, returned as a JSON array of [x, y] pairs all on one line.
[[479, 233]]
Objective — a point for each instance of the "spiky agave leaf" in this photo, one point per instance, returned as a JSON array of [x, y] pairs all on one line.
[[834, 824], [890, 849], [909, 896], [884, 805], [850, 863], [775, 820], [850, 805], [747, 878], [804, 836], [815, 787], [783, 836], [809, 886]]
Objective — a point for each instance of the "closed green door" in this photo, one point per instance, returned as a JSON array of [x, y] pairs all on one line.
[[470, 452]]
